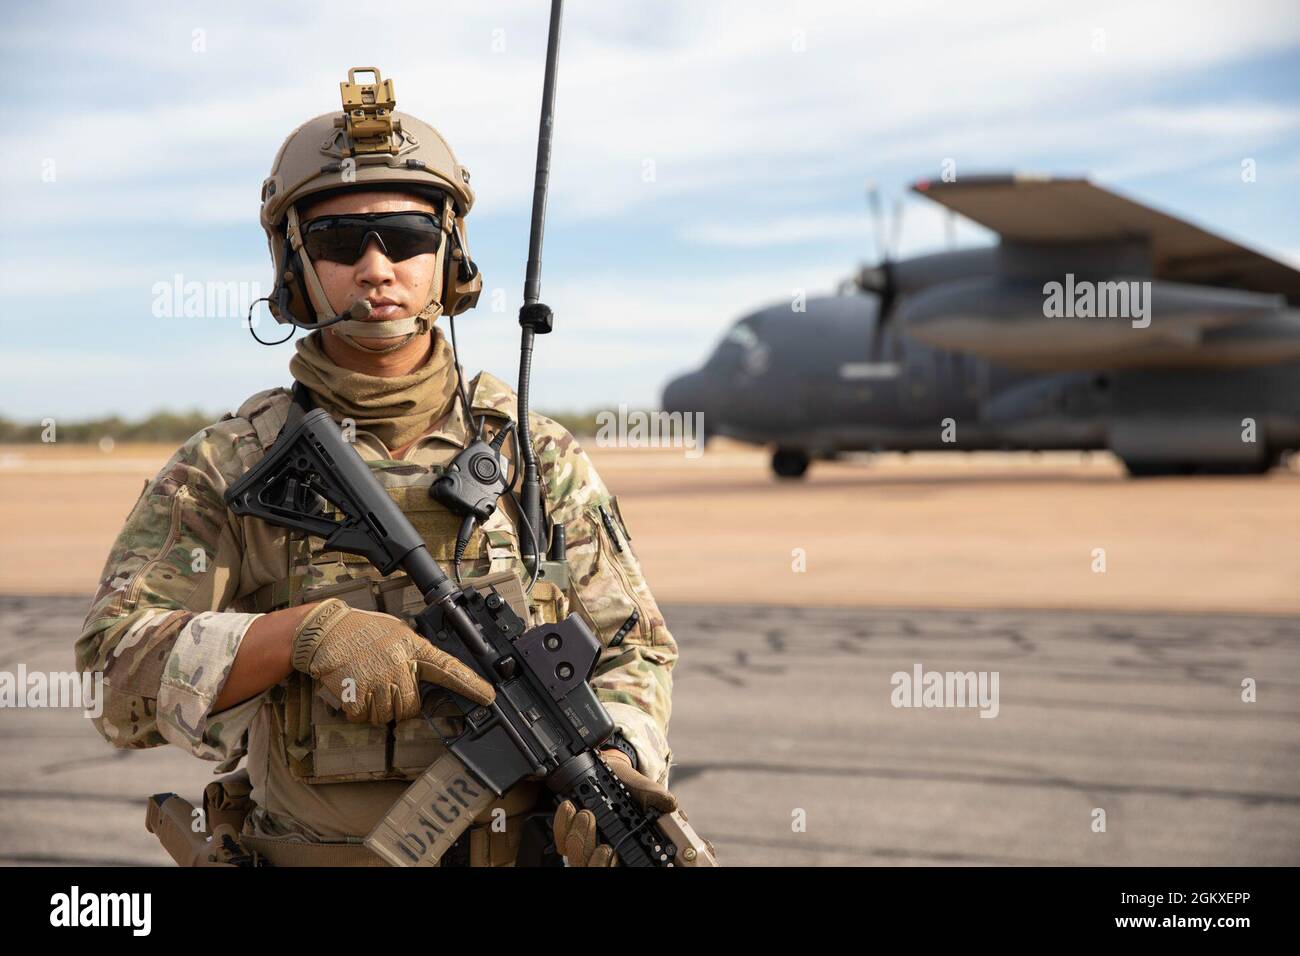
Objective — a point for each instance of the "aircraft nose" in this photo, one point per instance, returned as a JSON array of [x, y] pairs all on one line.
[[685, 394]]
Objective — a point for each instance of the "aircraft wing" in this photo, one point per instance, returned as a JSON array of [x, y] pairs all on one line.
[[1032, 209]]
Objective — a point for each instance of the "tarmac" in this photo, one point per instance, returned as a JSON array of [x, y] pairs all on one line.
[[789, 751], [1121, 735]]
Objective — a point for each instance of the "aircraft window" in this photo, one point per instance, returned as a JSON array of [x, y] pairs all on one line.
[[743, 335]]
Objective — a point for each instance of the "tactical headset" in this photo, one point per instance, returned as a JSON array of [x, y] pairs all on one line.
[[369, 146]]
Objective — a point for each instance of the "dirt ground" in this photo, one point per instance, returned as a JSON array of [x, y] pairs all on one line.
[[795, 605], [926, 530]]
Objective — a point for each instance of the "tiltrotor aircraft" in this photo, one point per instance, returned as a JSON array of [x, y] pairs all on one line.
[[1096, 322]]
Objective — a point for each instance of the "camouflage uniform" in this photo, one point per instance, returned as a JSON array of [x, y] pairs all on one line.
[[186, 578]]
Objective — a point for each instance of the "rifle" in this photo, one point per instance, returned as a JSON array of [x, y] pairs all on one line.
[[546, 719]]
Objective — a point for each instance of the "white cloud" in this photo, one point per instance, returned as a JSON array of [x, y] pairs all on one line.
[[783, 231], [910, 227], [714, 94], [748, 138], [1237, 120], [86, 271], [618, 338]]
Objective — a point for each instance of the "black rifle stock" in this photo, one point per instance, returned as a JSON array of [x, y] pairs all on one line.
[[546, 719]]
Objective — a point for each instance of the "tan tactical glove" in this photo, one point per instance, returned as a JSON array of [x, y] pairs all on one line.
[[575, 830], [383, 658]]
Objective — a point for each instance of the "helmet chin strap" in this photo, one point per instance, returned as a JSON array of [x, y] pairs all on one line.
[[407, 328], [351, 329]]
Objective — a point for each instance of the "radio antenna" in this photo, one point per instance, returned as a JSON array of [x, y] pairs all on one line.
[[535, 318]]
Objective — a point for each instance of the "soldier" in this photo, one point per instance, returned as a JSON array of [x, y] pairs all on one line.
[[236, 640]]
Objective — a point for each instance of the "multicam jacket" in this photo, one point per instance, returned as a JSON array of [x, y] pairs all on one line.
[[186, 578]]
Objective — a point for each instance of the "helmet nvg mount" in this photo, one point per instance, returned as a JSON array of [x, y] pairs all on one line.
[[369, 146]]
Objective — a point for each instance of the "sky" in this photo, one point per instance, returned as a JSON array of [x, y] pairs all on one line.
[[709, 158]]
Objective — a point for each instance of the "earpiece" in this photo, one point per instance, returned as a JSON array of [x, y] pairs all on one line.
[[463, 283]]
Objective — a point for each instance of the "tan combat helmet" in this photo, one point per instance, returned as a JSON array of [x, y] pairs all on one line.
[[367, 146]]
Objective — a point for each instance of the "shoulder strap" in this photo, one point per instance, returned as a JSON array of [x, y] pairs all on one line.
[[269, 416], [299, 405]]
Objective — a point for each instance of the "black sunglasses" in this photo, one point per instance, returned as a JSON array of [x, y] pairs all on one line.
[[400, 235]]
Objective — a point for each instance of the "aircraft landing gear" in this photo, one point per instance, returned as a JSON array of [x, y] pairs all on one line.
[[789, 463]]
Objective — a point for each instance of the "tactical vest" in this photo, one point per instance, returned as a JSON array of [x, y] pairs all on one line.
[[322, 746]]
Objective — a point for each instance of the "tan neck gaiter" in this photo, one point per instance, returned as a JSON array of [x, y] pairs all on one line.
[[396, 410]]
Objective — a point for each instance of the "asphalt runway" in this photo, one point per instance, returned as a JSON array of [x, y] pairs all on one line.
[[789, 751]]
